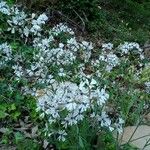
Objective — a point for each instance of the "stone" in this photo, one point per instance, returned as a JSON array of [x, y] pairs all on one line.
[[140, 137]]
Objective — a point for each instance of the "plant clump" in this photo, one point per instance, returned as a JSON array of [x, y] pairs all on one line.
[[70, 86]]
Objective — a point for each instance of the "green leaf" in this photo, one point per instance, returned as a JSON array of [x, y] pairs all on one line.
[[3, 114], [15, 115], [3, 107], [12, 107], [10, 1], [4, 139], [18, 137], [81, 142]]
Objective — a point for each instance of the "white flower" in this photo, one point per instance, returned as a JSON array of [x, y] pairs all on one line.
[[37, 24], [6, 49], [35, 29], [71, 119], [72, 44], [142, 56], [121, 121], [65, 96], [82, 87], [18, 70], [147, 85], [71, 106], [90, 83], [107, 46], [102, 97], [18, 19], [93, 82], [102, 57], [119, 125], [72, 41], [61, 45], [105, 121], [86, 45], [61, 72], [111, 60], [127, 47], [4, 8], [61, 28], [62, 134], [26, 31], [5, 54], [42, 19]]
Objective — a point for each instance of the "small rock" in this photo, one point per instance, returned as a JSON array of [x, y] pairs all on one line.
[[140, 137]]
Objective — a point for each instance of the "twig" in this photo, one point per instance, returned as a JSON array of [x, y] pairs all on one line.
[[80, 19], [139, 138], [85, 16], [63, 15], [146, 144]]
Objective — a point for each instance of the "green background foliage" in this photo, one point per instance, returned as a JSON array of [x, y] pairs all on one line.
[[118, 20]]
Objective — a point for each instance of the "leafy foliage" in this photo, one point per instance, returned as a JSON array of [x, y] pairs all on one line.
[[59, 92], [119, 20]]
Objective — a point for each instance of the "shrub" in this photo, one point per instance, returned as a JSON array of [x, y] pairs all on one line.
[[76, 91], [118, 20]]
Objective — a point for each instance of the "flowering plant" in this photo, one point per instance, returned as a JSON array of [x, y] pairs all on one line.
[[70, 86]]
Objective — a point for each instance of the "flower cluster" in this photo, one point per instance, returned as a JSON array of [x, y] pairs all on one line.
[[20, 22], [49, 51], [119, 125], [109, 57], [147, 85], [16, 20], [73, 90], [37, 23], [5, 54], [127, 47], [4, 8], [61, 28], [131, 47], [111, 60], [74, 99], [107, 46], [104, 120]]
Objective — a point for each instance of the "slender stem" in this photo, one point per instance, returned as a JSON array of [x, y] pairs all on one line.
[[80, 19], [139, 138], [117, 143], [146, 144], [133, 132]]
